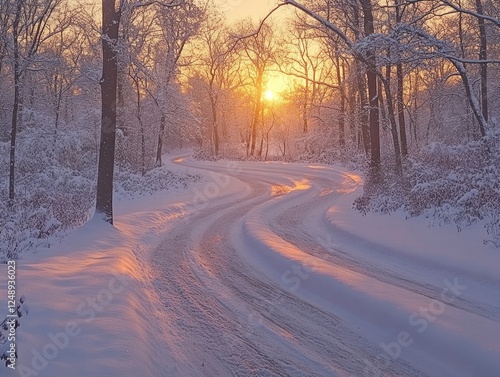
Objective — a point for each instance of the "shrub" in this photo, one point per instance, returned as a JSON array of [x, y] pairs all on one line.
[[456, 184]]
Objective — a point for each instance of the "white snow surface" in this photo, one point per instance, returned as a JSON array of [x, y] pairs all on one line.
[[261, 269]]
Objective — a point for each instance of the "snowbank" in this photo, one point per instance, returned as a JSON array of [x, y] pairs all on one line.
[[93, 311]]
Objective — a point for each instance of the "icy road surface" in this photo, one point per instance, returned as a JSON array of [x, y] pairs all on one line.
[[256, 278]]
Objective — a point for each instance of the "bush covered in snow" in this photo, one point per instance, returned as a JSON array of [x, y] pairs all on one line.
[[457, 184], [49, 207], [129, 184], [55, 186], [24, 225]]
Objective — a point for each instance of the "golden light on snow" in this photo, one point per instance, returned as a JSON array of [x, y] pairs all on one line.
[[303, 184], [355, 177]]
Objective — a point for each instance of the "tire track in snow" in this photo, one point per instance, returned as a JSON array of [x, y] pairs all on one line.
[[210, 292], [296, 217]]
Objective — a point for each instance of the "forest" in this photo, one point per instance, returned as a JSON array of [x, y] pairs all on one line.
[[92, 95]]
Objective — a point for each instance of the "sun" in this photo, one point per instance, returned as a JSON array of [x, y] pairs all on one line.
[[269, 95]]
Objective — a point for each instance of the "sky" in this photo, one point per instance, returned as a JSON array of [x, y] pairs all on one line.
[[256, 9]]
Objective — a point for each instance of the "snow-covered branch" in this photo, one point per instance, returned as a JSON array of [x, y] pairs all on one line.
[[459, 9]]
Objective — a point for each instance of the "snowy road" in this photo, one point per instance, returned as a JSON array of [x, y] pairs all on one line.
[[257, 279]]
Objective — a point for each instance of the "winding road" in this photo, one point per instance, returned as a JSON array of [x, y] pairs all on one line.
[[253, 283]]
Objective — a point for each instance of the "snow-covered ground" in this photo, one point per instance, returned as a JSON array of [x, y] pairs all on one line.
[[262, 269]]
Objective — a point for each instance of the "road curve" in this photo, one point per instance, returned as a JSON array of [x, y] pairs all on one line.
[[251, 287]]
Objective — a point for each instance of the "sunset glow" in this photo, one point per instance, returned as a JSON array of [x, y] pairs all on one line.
[[269, 95], [254, 188]]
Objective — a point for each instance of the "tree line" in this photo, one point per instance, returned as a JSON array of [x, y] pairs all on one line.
[[363, 79]]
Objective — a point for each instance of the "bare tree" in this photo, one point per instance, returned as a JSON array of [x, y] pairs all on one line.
[[6, 8], [30, 30], [178, 25], [259, 49], [111, 18], [305, 60], [399, 10], [219, 66], [110, 25], [65, 49], [483, 56]]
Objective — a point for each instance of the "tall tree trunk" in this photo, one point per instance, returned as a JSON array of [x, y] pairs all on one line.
[[413, 108], [392, 120], [363, 104], [248, 138], [15, 109], [371, 76], [461, 30], [401, 109], [139, 119], [13, 135], [110, 25], [267, 144], [374, 120], [431, 125], [361, 83], [474, 103], [56, 124], [255, 119], [262, 132], [351, 113], [213, 103], [159, 147], [383, 118], [400, 91], [484, 66], [143, 150], [305, 106], [415, 103], [261, 144], [342, 103]]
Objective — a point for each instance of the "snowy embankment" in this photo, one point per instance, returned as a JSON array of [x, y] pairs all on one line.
[[92, 308]]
